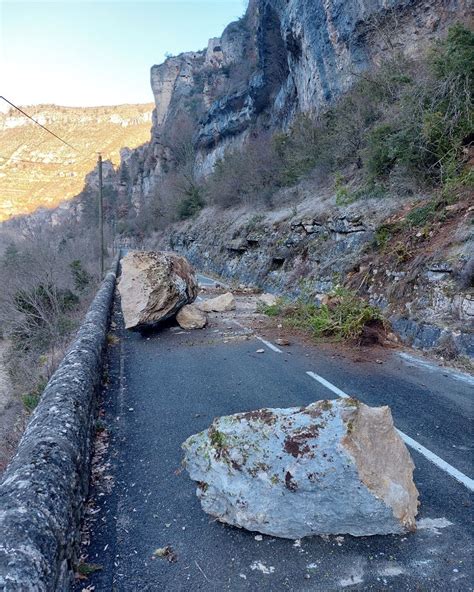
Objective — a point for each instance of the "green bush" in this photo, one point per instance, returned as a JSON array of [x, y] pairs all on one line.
[[30, 400], [82, 278], [343, 318], [433, 117], [191, 204], [271, 310]]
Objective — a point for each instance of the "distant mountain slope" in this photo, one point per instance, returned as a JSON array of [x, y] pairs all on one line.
[[36, 170]]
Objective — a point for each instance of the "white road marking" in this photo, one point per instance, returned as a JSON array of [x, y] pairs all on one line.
[[264, 341], [433, 524], [328, 385], [431, 456], [412, 360], [270, 345]]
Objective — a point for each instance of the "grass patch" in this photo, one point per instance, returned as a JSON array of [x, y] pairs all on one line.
[[345, 195], [343, 318], [271, 310], [31, 399], [422, 215], [217, 438], [113, 339]]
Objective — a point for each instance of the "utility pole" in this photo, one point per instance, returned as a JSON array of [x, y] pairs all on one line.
[[101, 218]]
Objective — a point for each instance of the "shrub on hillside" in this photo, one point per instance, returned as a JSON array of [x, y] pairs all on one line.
[[248, 176], [191, 203], [403, 120]]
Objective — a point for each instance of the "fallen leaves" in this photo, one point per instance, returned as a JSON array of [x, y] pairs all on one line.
[[165, 553]]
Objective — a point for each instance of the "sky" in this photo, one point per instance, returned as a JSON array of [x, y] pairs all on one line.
[[89, 53]]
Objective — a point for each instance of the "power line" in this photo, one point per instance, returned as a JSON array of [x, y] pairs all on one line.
[[12, 159], [38, 123]]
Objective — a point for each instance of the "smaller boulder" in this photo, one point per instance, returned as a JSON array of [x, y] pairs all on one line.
[[266, 300], [190, 317], [221, 303]]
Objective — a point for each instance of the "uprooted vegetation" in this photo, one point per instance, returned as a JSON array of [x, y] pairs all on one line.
[[340, 316]]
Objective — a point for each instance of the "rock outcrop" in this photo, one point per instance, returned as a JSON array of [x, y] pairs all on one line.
[[154, 286], [191, 317], [221, 303], [281, 59], [427, 297], [333, 467]]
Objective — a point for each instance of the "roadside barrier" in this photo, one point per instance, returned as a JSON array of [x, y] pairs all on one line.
[[43, 490]]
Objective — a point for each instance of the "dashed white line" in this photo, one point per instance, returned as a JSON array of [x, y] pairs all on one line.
[[431, 456], [270, 345], [264, 341]]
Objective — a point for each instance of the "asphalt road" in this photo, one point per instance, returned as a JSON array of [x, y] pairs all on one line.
[[165, 386]]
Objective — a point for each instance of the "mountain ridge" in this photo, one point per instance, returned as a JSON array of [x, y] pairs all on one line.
[[38, 171]]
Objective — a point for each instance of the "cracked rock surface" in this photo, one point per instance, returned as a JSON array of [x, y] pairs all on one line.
[[154, 286], [333, 467]]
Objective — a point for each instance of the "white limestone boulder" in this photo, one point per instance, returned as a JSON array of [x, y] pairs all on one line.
[[221, 303], [265, 300], [154, 286], [190, 317], [334, 467]]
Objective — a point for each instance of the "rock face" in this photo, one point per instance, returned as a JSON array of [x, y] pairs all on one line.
[[190, 317], [154, 285], [279, 60], [220, 303], [334, 467]]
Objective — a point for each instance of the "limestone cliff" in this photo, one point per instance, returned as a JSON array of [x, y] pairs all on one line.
[[282, 58], [37, 171]]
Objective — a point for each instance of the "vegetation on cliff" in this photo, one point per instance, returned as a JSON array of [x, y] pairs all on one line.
[[48, 283]]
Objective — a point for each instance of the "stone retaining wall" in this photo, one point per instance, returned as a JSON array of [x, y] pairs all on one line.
[[43, 490]]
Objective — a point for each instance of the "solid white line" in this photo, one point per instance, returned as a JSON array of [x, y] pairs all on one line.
[[439, 462], [412, 360], [328, 385], [270, 345], [431, 456]]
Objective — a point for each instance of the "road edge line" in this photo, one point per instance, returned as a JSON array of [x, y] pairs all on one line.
[[431, 456]]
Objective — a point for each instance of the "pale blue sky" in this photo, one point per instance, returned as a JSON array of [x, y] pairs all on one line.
[[86, 52]]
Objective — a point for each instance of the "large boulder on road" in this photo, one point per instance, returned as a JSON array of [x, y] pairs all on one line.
[[333, 467], [154, 285]]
